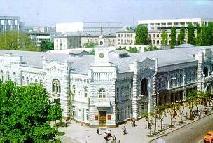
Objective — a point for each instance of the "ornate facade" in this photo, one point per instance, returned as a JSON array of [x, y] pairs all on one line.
[[111, 86]]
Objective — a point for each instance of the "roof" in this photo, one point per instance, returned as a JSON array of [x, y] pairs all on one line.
[[80, 62]]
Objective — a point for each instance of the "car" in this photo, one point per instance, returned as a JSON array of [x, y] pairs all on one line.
[[208, 138]]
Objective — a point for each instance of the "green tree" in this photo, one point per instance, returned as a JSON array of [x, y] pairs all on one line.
[[13, 40], [90, 45], [46, 45], [198, 39], [141, 37], [191, 34], [24, 114], [164, 37], [173, 37], [181, 36], [133, 50]]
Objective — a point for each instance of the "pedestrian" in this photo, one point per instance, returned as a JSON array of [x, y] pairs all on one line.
[[119, 141], [114, 138], [97, 131], [124, 130], [134, 125]]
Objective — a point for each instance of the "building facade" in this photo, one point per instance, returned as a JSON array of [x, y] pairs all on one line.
[[156, 27], [9, 23], [111, 87], [67, 42]]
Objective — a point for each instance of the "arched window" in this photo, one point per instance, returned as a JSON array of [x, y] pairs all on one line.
[[101, 93], [56, 88]]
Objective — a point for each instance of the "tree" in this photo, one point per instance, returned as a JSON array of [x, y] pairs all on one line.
[[181, 36], [198, 39], [46, 45], [141, 37], [173, 37], [133, 50], [164, 38], [191, 34], [13, 40], [24, 114], [90, 45], [150, 48]]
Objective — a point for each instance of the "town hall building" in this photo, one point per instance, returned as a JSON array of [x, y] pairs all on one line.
[[111, 86]]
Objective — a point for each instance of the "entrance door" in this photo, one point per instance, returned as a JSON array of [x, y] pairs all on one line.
[[102, 118]]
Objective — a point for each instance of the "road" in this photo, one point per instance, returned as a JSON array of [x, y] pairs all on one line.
[[192, 133]]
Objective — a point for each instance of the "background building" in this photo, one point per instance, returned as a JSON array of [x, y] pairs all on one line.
[[9, 23], [67, 42], [156, 27]]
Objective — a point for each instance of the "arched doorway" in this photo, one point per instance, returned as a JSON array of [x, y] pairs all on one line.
[[56, 89], [144, 94], [205, 71], [144, 85]]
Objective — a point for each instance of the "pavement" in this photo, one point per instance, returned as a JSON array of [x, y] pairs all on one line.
[[75, 133]]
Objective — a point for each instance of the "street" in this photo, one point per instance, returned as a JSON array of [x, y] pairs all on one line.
[[192, 133]]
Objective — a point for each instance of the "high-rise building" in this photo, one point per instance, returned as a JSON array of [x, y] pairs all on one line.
[[8, 23]]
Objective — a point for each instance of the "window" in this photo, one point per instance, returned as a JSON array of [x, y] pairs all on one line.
[[73, 88], [2, 75], [108, 117], [56, 88], [85, 91], [101, 93]]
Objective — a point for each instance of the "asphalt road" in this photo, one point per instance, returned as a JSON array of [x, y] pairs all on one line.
[[192, 133]]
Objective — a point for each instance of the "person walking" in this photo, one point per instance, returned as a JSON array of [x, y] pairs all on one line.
[[97, 131], [124, 130]]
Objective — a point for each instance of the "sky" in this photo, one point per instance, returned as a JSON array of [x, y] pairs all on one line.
[[128, 12]]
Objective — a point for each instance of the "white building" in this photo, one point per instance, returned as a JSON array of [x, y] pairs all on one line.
[[9, 23], [156, 27], [67, 42], [111, 86]]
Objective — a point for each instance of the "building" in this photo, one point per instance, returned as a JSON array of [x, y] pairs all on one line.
[[67, 42], [109, 40], [125, 37], [156, 27], [9, 23], [112, 86], [88, 28], [37, 38]]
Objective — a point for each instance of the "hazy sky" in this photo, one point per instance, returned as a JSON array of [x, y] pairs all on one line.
[[49, 12]]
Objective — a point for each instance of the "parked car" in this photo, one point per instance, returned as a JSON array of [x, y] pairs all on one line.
[[208, 138]]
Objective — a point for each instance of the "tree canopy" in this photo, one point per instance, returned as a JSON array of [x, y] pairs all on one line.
[[173, 37], [141, 37], [46, 45], [164, 37], [25, 112], [13, 40], [191, 34]]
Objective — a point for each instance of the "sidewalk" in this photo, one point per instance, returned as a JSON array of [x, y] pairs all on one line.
[[75, 133]]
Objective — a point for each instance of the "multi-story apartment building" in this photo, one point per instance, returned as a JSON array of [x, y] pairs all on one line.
[[112, 86], [9, 23], [156, 27]]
